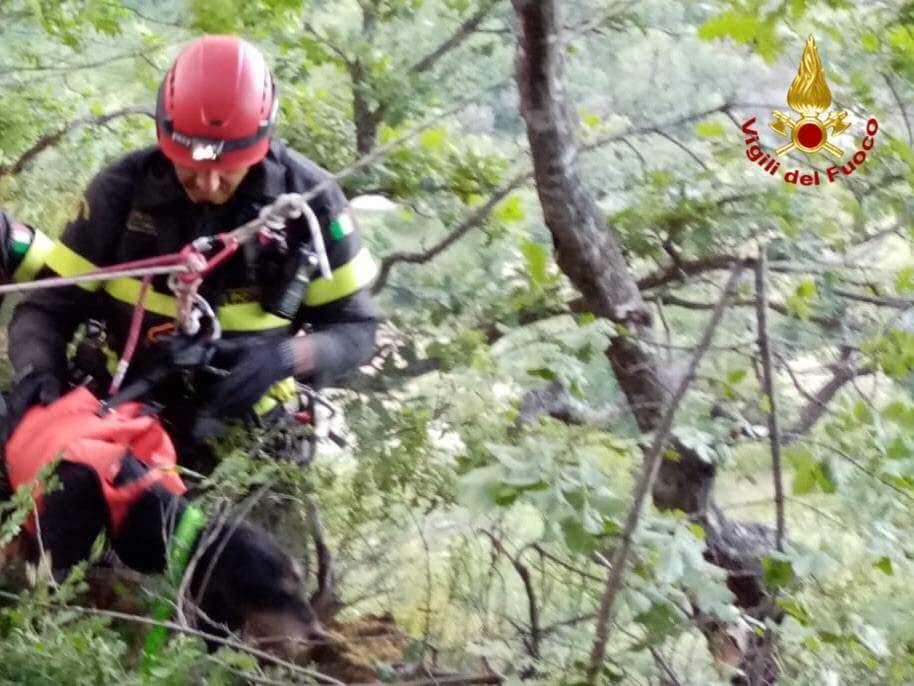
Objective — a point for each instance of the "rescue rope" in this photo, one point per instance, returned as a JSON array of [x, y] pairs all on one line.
[[94, 275], [187, 269]]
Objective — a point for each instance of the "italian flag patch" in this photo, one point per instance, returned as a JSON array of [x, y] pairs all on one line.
[[21, 238], [341, 227]]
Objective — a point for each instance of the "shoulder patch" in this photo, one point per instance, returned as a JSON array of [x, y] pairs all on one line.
[[141, 222], [342, 226]]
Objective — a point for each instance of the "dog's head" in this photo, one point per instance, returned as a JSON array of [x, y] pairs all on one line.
[[244, 581]]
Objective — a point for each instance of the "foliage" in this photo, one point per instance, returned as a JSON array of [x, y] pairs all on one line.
[[444, 496]]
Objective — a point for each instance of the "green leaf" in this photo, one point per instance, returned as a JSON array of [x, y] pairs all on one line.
[[904, 280], [509, 211], [897, 449], [794, 609], [433, 140], [740, 27], [661, 620], [862, 412], [805, 480], [746, 28], [735, 376], [884, 564], [709, 130], [590, 120], [899, 413], [537, 258], [542, 373], [777, 573]]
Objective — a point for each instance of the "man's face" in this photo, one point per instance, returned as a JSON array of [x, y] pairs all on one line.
[[213, 186]]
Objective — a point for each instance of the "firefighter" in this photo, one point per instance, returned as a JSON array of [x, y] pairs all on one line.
[[215, 166]]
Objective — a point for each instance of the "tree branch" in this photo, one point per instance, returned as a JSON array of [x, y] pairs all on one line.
[[52, 139], [818, 404], [685, 269], [676, 301], [325, 602], [650, 469], [896, 303], [477, 218], [463, 32], [774, 435], [12, 69], [533, 646], [901, 108], [319, 37]]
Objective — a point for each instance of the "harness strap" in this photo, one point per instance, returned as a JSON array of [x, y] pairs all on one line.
[[185, 535]]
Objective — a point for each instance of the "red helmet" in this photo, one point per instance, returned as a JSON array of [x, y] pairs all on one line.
[[217, 105]]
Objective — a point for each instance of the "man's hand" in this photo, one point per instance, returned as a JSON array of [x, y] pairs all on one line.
[[37, 386], [253, 366]]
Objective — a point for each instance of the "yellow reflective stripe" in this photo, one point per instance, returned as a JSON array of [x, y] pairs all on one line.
[[351, 277], [237, 317], [248, 317], [128, 291], [34, 259], [68, 262], [281, 392]]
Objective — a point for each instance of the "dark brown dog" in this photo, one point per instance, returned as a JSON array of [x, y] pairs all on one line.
[[241, 581]]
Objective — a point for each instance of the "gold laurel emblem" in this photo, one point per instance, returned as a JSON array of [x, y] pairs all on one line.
[[809, 96]]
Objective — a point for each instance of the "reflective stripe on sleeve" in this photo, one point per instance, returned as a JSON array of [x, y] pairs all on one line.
[[248, 317], [35, 257], [351, 277], [67, 262]]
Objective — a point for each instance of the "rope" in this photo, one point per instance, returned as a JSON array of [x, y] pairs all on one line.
[[103, 274]]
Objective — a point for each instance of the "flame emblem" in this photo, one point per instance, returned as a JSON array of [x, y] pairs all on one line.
[[809, 96]]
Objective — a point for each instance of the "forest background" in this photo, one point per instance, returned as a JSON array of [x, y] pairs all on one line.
[[555, 221]]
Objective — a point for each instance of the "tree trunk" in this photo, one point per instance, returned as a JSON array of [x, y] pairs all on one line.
[[366, 118], [589, 253]]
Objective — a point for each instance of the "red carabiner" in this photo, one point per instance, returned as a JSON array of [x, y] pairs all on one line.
[[231, 245]]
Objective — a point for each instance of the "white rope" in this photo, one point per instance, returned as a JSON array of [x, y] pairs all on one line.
[[60, 281]]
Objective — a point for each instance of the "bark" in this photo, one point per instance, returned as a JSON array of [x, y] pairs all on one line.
[[589, 253], [366, 118]]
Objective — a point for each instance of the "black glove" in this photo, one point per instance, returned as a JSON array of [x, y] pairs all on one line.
[[180, 351], [38, 386], [253, 366]]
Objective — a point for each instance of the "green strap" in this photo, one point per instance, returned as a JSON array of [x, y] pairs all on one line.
[[192, 521]]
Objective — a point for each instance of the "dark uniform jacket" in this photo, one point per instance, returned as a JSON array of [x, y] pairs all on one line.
[[136, 208]]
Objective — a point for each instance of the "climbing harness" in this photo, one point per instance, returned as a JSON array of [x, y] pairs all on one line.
[[187, 268]]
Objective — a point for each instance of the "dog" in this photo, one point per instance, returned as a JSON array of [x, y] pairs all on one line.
[[241, 580]]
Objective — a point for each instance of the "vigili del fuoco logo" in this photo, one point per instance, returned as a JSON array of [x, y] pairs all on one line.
[[810, 97]]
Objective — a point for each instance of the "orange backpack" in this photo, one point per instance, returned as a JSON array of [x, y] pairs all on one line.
[[71, 430]]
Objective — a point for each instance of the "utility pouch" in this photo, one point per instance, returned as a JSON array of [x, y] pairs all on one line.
[[284, 294]]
